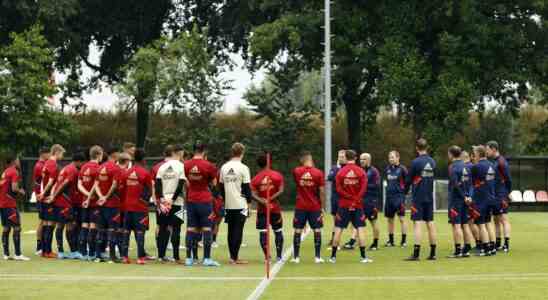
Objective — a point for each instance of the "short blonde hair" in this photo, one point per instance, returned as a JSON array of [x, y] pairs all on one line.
[[237, 149], [57, 149], [95, 152]]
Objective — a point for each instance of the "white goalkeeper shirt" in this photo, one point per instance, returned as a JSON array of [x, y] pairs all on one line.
[[233, 175], [170, 173]]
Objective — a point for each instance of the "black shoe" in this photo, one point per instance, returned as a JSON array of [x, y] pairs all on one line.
[[348, 246], [466, 254], [389, 244], [455, 255], [505, 249], [373, 248], [403, 245], [432, 258], [412, 258]]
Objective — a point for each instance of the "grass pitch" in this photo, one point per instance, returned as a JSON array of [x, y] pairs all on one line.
[[522, 274]]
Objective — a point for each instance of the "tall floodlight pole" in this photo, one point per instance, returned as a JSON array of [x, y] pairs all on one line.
[[327, 95]]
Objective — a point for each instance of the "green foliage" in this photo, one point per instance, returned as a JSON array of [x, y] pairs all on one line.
[[25, 119]]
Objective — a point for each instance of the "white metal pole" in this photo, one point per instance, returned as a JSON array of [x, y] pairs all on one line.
[[327, 95]]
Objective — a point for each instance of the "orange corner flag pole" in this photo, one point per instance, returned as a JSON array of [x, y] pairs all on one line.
[[267, 260]]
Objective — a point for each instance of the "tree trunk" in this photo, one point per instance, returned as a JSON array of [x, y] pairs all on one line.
[[143, 108], [353, 107]]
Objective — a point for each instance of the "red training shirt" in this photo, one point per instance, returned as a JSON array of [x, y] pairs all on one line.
[[268, 180], [351, 183], [200, 173], [108, 172], [308, 181], [37, 177], [68, 174], [138, 187], [49, 171], [88, 175], [7, 195]]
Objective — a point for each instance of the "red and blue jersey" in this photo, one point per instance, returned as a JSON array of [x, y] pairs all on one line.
[[67, 186], [396, 175], [351, 184], [108, 173], [37, 177], [459, 182], [373, 184], [503, 180], [7, 194], [421, 179], [309, 180], [483, 179], [200, 174], [137, 189]]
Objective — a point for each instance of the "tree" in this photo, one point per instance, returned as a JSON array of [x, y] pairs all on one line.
[[25, 119], [288, 118], [175, 74]]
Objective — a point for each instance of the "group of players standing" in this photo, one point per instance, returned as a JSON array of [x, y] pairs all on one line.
[[96, 202]]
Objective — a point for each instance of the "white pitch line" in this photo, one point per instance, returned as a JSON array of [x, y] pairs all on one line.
[[472, 277], [259, 290]]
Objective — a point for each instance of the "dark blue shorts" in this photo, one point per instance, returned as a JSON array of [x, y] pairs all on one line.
[[63, 215], [346, 216], [47, 212], [199, 215], [458, 213], [334, 205], [137, 221], [423, 211], [39, 210], [109, 218], [276, 221], [10, 217], [485, 211], [393, 206], [313, 218], [370, 209], [501, 206], [90, 215], [77, 214]]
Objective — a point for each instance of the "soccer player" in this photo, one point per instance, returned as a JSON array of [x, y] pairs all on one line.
[[483, 179], [138, 188], [123, 161], [396, 175], [153, 173], [421, 179], [370, 199], [473, 214], [503, 187], [459, 191], [49, 176], [310, 183], [341, 162], [89, 212], [37, 190], [108, 202], [234, 182], [130, 149], [270, 182], [200, 174], [62, 195], [9, 215], [169, 187], [351, 182]]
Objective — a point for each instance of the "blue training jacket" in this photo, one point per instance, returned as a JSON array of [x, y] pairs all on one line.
[[459, 182], [373, 184], [421, 179], [483, 179], [395, 181]]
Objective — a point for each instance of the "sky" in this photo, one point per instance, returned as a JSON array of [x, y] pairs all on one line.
[[104, 98]]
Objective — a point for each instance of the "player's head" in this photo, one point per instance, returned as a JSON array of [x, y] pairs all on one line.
[[454, 152], [200, 148], [113, 153], [465, 156], [262, 161], [365, 160], [479, 152], [306, 159], [139, 156], [178, 153], [96, 153], [44, 153], [168, 151], [394, 157], [78, 159], [351, 156], [341, 157], [13, 160], [237, 150], [421, 145], [492, 149], [129, 148], [124, 159], [57, 151]]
